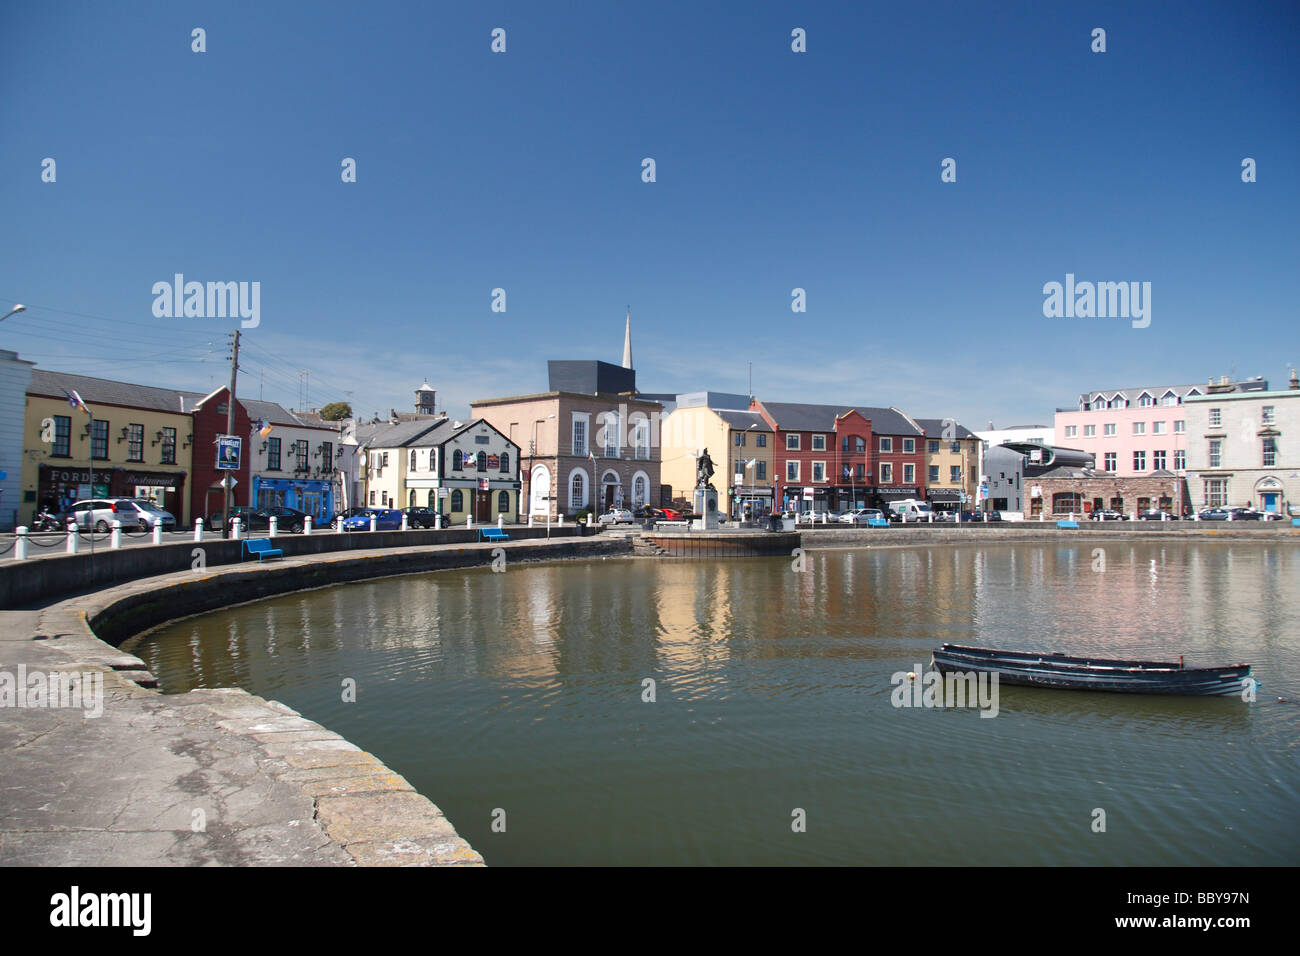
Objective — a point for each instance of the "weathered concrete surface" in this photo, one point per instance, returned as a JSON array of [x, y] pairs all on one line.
[[921, 535], [209, 777]]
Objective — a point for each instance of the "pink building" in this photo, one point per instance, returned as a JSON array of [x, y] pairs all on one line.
[[1135, 432]]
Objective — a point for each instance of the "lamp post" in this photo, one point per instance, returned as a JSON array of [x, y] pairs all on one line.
[[532, 455], [14, 311]]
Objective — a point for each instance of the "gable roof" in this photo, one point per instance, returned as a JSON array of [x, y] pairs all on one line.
[[798, 417], [933, 428]]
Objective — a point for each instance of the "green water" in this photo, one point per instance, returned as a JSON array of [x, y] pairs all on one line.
[[523, 692]]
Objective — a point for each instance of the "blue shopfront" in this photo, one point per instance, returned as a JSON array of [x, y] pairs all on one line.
[[316, 498]]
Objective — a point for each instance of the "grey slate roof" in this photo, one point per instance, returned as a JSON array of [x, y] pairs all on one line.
[[797, 417], [743, 420], [934, 428]]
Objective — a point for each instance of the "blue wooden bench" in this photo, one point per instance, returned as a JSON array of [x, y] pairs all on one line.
[[262, 548], [877, 523], [1295, 522], [492, 534], [1068, 524]]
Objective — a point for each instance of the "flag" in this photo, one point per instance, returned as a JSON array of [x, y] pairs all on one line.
[[263, 428], [592, 456], [75, 401], [847, 471]]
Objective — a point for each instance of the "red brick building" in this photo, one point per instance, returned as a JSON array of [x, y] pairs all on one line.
[[835, 458], [206, 493]]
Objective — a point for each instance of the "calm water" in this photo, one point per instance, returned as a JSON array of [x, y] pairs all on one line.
[[523, 691]]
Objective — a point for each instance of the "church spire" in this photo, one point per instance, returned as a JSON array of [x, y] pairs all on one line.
[[627, 340]]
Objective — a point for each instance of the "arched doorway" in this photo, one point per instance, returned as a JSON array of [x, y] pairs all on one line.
[[1268, 492], [539, 490], [612, 490]]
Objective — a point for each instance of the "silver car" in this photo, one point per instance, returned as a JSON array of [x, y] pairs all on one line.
[[98, 514], [617, 516], [148, 514]]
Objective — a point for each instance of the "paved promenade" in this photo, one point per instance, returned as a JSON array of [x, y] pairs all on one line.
[[209, 777]]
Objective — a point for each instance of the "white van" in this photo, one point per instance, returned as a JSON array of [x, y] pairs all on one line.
[[911, 510]]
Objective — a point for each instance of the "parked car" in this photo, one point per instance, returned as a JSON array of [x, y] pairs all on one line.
[[679, 514], [1155, 514], [287, 520], [1105, 514], [648, 513], [148, 514], [100, 513], [615, 516], [421, 517], [861, 516], [910, 511], [386, 519], [1264, 515]]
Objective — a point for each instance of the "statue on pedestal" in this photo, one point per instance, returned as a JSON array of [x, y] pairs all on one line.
[[703, 470]]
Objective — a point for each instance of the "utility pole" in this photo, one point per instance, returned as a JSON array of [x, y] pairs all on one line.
[[230, 422]]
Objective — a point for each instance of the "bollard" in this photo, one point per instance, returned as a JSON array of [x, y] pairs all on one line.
[[469, 520], [20, 543], [157, 531], [501, 521], [560, 521], [437, 521], [374, 521], [235, 529], [404, 525], [198, 529], [338, 524], [306, 525], [72, 538], [1229, 515], [272, 526], [530, 521], [115, 539]]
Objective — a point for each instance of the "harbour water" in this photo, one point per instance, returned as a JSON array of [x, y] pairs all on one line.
[[519, 702]]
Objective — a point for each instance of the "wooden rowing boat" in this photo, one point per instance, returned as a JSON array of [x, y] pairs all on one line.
[[1093, 673]]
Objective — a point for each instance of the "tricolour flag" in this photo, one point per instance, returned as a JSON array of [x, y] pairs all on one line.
[[75, 401], [263, 428]]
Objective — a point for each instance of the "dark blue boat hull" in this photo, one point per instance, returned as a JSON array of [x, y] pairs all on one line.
[[1061, 672]]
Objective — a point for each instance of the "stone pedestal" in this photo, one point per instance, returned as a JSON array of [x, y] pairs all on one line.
[[705, 503]]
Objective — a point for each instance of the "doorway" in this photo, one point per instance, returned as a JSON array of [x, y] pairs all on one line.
[[483, 506]]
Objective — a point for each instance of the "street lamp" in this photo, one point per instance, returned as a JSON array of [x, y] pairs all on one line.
[[14, 311]]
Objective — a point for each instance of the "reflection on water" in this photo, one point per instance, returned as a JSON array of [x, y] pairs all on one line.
[[524, 691]]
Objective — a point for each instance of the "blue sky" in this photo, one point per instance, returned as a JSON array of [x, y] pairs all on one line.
[[775, 170]]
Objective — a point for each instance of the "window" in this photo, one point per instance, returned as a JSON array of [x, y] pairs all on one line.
[[909, 446], [639, 491], [909, 473], [1067, 502], [760, 470], [457, 500], [791, 442], [641, 436], [1216, 492], [411, 466], [1216, 417], [577, 491], [792, 471], [1145, 400], [62, 437], [301, 447], [934, 474], [372, 499], [1180, 427], [273, 455], [503, 502], [1180, 460], [1139, 461], [1139, 428], [818, 442], [1071, 431], [1157, 428], [1168, 398], [1266, 415], [859, 444], [1270, 452], [457, 460], [954, 474], [1089, 431], [99, 440], [1216, 453], [169, 446], [760, 440], [860, 472], [410, 498], [135, 443], [431, 499], [886, 473], [740, 439], [327, 457], [887, 444], [1108, 429], [579, 435], [505, 462], [480, 461], [1117, 504], [1110, 461], [611, 429], [1159, 460], [932, 446], [818, 470], [844, 444]]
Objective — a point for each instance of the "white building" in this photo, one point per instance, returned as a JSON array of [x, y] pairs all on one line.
[[1243, 448], [15, 378]]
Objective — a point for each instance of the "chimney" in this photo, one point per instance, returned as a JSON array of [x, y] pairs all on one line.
[[1295, 381]]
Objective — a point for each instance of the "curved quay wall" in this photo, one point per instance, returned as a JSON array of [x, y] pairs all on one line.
[[282, 790]]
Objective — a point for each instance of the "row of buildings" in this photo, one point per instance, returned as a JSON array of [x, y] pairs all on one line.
[[593, 440]]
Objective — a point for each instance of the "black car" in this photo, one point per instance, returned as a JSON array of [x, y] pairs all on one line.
[[421, 517], [259, 519], [1221, 514], [1155, 514]]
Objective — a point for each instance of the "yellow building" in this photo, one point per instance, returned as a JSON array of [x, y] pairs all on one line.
[[952, 463], [738, 441], [140, 438]]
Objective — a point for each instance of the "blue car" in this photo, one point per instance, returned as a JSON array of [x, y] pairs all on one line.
[[386, 519]]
